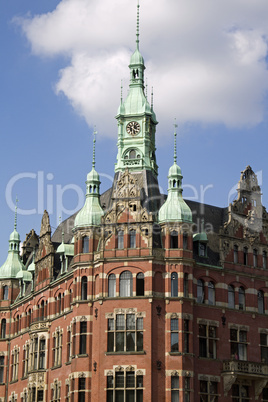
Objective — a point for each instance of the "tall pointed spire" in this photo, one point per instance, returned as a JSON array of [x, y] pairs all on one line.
[[94, 146], [16, 213], [175, 141], [138, 25]]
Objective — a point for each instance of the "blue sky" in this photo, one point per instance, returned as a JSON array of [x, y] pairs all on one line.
[[61, 69]]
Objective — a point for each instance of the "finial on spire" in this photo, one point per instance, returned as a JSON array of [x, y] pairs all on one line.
[[175, 140], [121, 92], [138, 25], [146, 92], [16, 213], [152, 98], [94, 142]]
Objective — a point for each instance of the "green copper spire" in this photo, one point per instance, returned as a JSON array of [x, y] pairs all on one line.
[[136, 119], [175, 208], [13, 263], [91, 213]]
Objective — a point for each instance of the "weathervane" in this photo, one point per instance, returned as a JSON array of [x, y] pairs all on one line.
[[94, 144], [16, 209]]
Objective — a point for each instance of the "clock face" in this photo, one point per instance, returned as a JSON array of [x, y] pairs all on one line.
[[133, 128]]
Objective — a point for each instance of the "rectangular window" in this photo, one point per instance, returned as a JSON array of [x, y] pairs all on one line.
[[175, 385], [264, 347], [207, 341], [120, 239], [186, 336], [83, 338], [174, 334], [125, 387], [208, 391], [125, 333], [42, 353], [2, 368], [68, 345], [132, 239], [238, 339], [187, 389], [81, 389]]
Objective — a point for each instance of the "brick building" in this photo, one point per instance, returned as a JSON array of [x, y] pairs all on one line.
[[139, 296]]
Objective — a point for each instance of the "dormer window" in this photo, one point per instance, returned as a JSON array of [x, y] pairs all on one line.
[[202, 249]]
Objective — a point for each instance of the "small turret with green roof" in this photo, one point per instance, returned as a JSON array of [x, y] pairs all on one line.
[[91, 213], [175, 208], [13, 263]]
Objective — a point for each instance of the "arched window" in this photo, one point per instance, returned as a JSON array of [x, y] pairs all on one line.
[[245, 250], [260, 302], [3, 328], [29, 317], [174, 284], [85, 244], [185, 285], [60, 302], [5, 292], [132, 154], [174, 239], [84, 288], [255, 258], [185, 240], [211, 293], [42, 310], [200, 291], [264, 259], [241, 298], [140, 284], [125, 284], [235, 254], [112, 285], [231, 297], [132, 239], [120, 239]]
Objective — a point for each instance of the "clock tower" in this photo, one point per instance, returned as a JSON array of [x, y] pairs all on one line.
[[136, 122]]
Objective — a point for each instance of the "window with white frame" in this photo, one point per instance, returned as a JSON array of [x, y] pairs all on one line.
[[126, 284], [26, 360], [56, 391], [38, 353], [125, 387], [57, 348], [125, 333], [111, 285], [207, 341], [174, 335], [238, 341], [14, 364], [208, 391], [69, 345]]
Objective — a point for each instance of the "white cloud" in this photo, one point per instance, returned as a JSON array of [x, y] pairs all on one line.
[[205, 59]]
